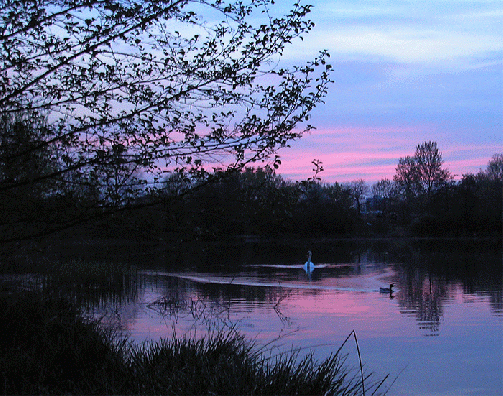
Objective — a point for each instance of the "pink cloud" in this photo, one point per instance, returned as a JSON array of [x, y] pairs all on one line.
[[373, 153]]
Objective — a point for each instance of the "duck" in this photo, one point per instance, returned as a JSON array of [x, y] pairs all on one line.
[[309, 266], [387, 289]]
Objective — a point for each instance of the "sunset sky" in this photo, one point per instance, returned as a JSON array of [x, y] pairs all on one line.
[[405, 72]]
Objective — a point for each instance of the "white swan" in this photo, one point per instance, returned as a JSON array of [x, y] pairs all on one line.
[[309, 266]]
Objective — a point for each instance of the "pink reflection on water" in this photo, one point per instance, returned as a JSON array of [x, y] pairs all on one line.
[[313, 309], [394, 333]]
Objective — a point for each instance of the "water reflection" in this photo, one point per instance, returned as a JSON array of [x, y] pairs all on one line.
[[426, 279], [424, 299], [431, 275], [447, 304], [427, 275]]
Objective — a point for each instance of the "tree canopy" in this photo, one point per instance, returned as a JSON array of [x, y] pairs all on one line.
[[148, 80], [423, 173], [150, 87]]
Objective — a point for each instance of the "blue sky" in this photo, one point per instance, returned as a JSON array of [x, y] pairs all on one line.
[[405, 72]]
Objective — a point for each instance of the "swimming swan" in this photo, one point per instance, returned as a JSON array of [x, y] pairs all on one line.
[[309, 266], [387, 289]]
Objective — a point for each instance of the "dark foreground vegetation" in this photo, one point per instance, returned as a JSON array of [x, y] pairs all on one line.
[[47, 347]]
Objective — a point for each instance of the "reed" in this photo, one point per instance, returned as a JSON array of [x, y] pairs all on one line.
[[49, 348]]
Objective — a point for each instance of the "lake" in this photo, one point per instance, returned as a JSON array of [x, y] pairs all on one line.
[[439, 333]]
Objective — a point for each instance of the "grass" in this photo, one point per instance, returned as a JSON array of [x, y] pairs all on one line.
[[47, 347]]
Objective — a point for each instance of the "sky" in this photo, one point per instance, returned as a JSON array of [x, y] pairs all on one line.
[[405, 72]]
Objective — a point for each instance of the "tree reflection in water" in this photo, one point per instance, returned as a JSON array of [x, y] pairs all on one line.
[[423, 298], [430, 274]]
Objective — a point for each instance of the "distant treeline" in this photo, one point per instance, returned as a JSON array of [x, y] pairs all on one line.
[[258, 202], [40, 197]]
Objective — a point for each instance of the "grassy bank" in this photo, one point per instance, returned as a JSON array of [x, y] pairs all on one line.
[[47, 347]]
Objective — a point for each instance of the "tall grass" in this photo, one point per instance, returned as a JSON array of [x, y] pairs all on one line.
[[47, 347]]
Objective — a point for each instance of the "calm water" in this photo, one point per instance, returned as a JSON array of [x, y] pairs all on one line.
[[439, 333]]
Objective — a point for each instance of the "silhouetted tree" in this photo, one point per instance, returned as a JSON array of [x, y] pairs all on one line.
[[383, 190], [423, 173], [151, 87], [358, 190], [19, 135], [488, 190], [431, 174], [22, 207], [433, 205], [495, 168], [382, 200]]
